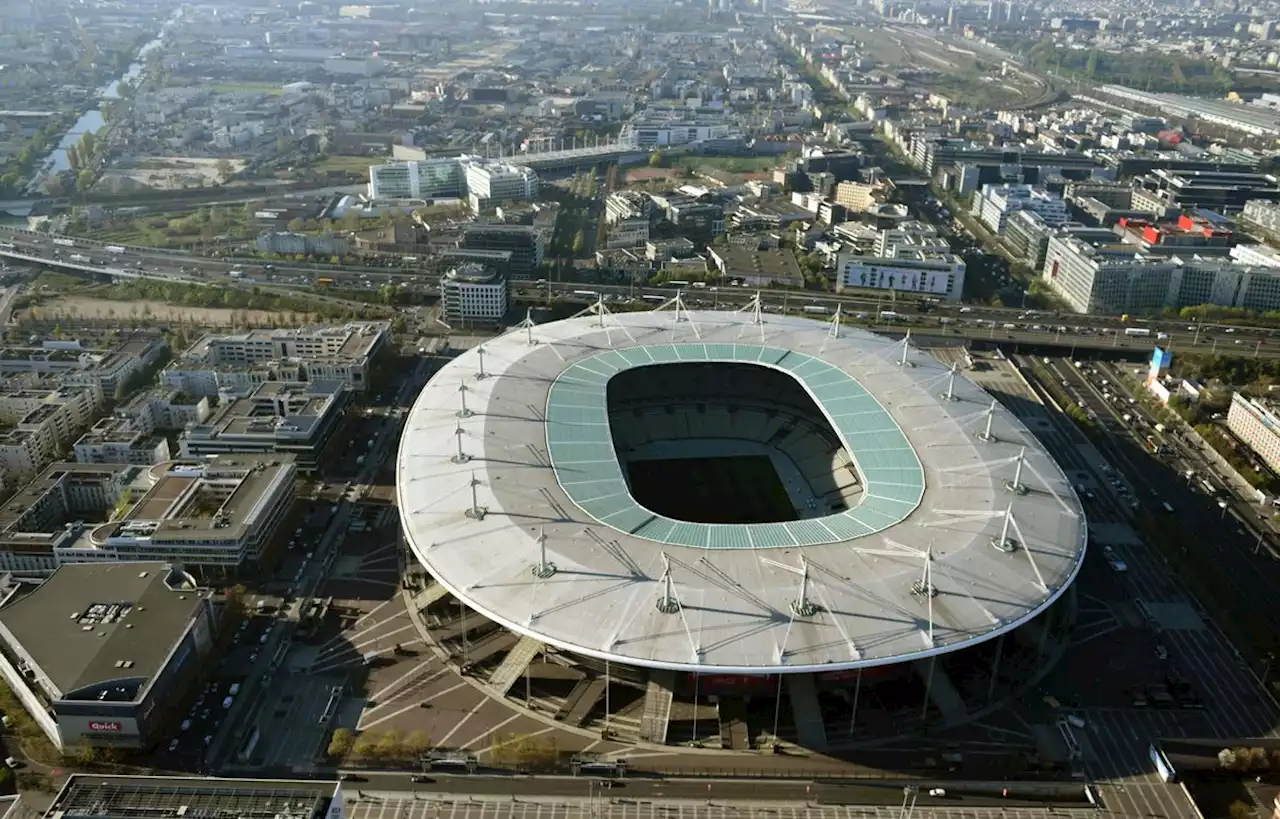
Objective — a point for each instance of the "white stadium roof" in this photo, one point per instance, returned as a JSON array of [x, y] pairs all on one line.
[[937, 552]]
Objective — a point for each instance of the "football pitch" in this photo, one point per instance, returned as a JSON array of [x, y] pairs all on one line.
[[737, 489]]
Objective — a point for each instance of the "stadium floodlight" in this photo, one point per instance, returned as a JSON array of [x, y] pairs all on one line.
[[543, 568], [985, 435], [462, 393], [1016, 486]]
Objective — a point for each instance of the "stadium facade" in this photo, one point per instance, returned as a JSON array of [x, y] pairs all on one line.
[[645, 521]]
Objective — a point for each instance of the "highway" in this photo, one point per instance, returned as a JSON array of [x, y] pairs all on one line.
[[829, 791], [879, 312]]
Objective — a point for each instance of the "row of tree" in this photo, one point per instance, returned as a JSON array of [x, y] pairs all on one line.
[[520, 751]]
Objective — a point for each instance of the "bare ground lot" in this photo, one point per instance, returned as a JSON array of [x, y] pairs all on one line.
[[90, 308]]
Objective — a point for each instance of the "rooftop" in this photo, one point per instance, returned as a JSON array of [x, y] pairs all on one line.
[[93, 623], [147, 797]]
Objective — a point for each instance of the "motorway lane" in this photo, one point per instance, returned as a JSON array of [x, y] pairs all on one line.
[[1205, 656], [1262, 342]]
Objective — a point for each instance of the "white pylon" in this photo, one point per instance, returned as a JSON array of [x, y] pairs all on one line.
[[985, 435], [1016, 486], [667, 603], [543, 568]]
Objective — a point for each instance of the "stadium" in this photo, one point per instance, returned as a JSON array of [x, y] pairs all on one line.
[[734, 527]]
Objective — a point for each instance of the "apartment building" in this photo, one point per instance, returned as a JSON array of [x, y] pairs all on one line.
[[214, 515], [164, 408], [74, 365], [37, 424], [118, 441], [320, 353], [472, 295], [858, 197], [1256, 424]]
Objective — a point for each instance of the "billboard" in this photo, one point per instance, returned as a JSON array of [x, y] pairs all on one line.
[[1161, 360], [104, 730]]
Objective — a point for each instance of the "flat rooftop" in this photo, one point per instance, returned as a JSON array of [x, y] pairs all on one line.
[[91, 623], [149, 797]]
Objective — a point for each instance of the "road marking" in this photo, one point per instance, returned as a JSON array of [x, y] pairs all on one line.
[[406, 708], [463, 721], [491, 731], [377, 696]]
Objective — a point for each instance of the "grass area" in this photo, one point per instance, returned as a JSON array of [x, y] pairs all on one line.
[[735, 164], [740, 489], [57, 283], [342, 163], [245, 88]]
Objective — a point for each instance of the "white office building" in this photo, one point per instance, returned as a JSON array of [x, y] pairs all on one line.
[[479, 179], [472, 294], [994, 204], [1256, 424], [923, 272], [1114, 279]]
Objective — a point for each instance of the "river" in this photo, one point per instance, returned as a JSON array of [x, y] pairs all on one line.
[[91, 121]]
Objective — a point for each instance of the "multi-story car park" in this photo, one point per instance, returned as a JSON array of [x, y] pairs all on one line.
[[95, 796], [100, 654], [214, 516]]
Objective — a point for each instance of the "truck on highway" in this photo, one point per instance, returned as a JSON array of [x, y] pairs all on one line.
[[888, 315], [815, 308], [80, 258], [1137, 331], [64, 242], [235, 274], [113, 249]]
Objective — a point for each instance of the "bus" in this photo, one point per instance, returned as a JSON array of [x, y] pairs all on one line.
[[324, 281], [888, 315], [654, 298], [677, 283], [587, 294], [1137, 331]]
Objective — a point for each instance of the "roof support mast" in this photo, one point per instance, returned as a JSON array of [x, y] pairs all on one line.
[[985, 435]]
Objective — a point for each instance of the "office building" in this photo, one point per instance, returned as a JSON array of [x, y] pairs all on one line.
[[472, 294], [294, 418], [480, 180], [216, 515], [1263, 213], [923, 272], [164, 408], [1165, 192], [37, 424], [525, 244], [103, 655], [857, 197], [994, 204], [1114, 278], [1256, 424], [1027, 234]]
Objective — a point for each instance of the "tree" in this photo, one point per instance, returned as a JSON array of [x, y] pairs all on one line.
[[225, 170], [1240, 810], [389, 746], [365, 746], [416, 744], [295, 225], [83, 753], [524, 751], [340, 744], [579, 242], [657, 159], [84, 180]]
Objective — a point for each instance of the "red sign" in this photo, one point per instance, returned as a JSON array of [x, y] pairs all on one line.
[[104, 726]]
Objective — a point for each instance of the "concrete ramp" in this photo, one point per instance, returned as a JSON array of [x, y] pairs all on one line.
[[656, 715], [811, 731], [514, 664]]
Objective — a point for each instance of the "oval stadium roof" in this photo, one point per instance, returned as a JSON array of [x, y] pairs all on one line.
[[937, 553]]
